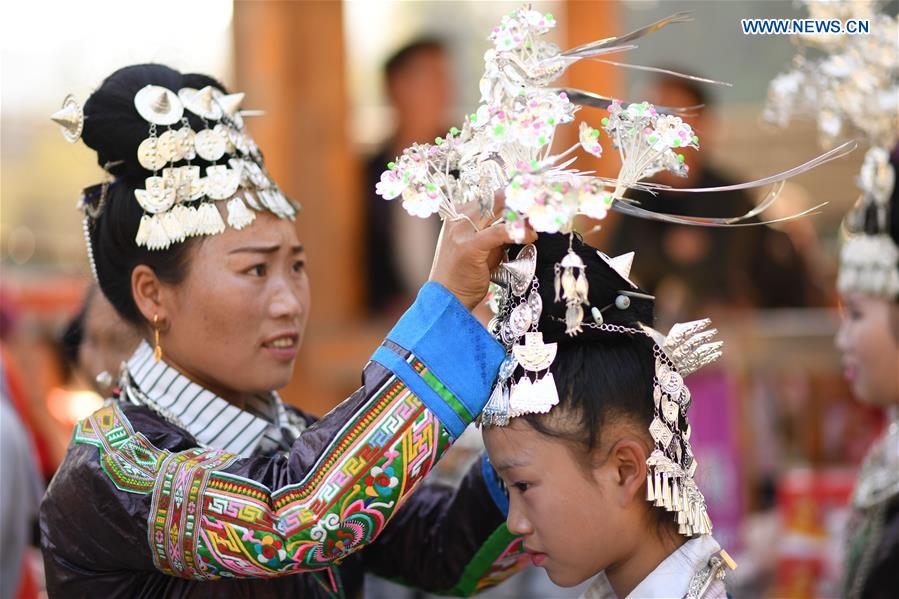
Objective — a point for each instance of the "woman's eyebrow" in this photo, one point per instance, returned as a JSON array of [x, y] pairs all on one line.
[[265, 249]]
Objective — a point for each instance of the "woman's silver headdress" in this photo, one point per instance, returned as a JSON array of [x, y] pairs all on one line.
[[178, 199]]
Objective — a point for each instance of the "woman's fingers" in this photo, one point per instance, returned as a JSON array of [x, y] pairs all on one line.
[[497, 235]]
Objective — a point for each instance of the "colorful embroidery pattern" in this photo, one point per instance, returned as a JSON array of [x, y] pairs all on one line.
[[206, 523], [226, 525], [130, 461]]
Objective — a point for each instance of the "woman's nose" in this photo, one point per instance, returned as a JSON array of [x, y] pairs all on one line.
[[286, 302]]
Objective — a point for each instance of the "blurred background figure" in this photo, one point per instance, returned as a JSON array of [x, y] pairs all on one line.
[[868, 340], [700, 267], [20, 495], [398, 249], [97, 341]]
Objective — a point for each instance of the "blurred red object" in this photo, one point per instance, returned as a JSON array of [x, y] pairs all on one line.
[[814, 509]]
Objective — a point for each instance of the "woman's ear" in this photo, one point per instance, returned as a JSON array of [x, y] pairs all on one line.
[[627, 460], [148, 293]]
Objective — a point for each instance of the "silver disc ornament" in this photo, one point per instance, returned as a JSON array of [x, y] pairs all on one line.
[[210, 145], [151, 155], [521, 319], [158, 105]]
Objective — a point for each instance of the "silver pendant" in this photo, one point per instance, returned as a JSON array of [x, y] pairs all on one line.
[[150, 154], [535, 355], [661, 434], [209, 144], [185, 180], [157, 197], [225, 132], [670, 410], [535, 303], [521, 319], [507, 367], [178, 144], [533, 398], [221, 182]]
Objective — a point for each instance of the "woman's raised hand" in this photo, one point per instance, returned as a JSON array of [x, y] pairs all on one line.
[[465, 257]]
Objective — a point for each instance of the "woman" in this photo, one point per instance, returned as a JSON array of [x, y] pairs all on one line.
[[869, 342], [585, 426], [195, 479]]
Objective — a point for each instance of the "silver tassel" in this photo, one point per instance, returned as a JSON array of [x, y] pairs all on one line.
[[675, 495], [650, 493], [581, 287], [569, 285], [496, 412], [557, 282]]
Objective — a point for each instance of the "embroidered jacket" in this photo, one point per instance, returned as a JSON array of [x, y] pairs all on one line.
[[211, 508]]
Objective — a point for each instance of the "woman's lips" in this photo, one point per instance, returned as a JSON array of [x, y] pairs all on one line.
[[283, 346], [850, 373]]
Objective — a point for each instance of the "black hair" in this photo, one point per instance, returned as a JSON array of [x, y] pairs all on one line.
[[602, 377], [401, 57], [599, 375], [114, 129]]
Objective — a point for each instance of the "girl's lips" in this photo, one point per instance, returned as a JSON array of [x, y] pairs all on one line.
[[850, 373], [537, 558]]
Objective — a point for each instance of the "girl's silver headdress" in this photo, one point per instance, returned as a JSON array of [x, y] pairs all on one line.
[[687, 347]]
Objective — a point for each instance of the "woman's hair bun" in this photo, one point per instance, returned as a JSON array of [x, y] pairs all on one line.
[[112, 125]]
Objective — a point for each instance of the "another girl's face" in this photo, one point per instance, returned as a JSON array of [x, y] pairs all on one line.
[[236, 322], [573, 521], [868, 341]]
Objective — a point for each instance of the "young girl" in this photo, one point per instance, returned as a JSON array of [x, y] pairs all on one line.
[[589, 433]]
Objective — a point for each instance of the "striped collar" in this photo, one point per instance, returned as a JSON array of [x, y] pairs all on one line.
[[212, 420]]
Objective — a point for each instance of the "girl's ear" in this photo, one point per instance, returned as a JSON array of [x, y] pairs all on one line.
[[627, 460]]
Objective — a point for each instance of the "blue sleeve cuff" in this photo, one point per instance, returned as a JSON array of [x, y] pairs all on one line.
[[456, 348], [494, 486]]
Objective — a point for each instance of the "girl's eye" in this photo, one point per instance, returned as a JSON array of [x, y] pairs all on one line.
[[299, 265], [257, 270], [522, 487]]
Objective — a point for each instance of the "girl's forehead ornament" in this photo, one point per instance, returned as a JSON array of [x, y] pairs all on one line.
[[177, 199]]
